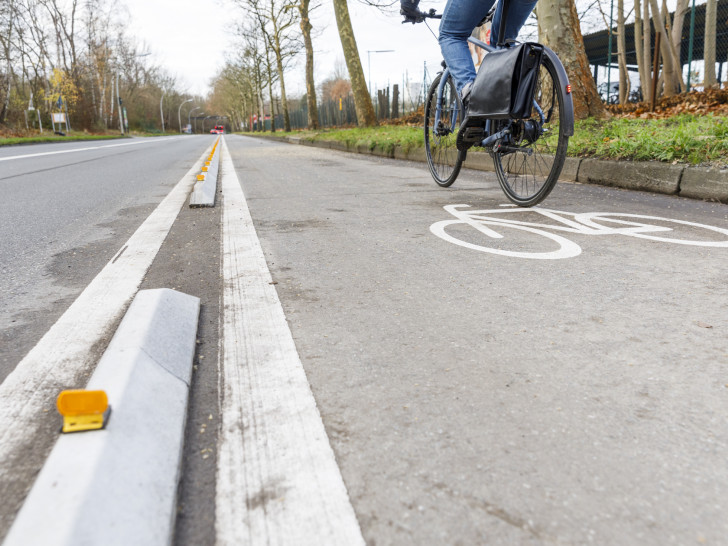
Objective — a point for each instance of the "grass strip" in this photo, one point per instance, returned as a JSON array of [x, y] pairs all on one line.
[[687, 138], [12, 141]]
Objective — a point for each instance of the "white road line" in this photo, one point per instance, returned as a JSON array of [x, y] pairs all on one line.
[[277, 478], [65, 355], [136, 142]]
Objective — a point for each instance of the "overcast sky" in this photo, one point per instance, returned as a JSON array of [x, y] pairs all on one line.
[[191, 38]]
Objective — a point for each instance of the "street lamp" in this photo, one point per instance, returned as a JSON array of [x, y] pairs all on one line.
[[161, 109], [179, 110], [189, 114], [203, 122], [196, 117], [369, 61]]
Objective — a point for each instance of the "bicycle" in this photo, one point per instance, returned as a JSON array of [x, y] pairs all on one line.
[[528, 154]]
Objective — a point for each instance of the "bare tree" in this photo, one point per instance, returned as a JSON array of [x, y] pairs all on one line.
[[362, 100], [304, 9], [668, 61], [8, 16], [276, 19]]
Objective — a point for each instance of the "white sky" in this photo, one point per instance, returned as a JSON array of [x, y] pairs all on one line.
[[191, 37]]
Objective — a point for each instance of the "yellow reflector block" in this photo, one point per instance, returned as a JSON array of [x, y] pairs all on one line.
[[204, 169], [207, 163], [200, 177], [83, 410]]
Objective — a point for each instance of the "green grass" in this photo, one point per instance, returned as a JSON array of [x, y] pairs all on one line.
[[386, 137], [54, 138], [683, 139]]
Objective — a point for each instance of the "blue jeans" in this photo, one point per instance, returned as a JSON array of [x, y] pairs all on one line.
[[458, 21]]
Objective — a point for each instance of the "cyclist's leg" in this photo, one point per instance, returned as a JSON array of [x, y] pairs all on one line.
[[518, 12], [458, 21]]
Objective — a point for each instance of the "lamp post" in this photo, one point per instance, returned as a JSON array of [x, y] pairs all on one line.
[[179, 110], [203, 122], [161, 109], [369, 62], [189, 114]]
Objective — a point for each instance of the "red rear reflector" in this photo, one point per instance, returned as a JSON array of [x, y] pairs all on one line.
[[568, 89]]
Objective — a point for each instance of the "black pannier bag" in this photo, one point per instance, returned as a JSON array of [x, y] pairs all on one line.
[[506, 82]]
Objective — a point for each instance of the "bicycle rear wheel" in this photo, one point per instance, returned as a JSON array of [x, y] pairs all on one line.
[[443, 157], [529, 166]]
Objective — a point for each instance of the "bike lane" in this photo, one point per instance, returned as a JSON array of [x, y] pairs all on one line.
[[471, 396]]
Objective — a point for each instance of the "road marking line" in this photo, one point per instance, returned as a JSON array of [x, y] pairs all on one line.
[[65, 355], [143, 141], [277, 478]]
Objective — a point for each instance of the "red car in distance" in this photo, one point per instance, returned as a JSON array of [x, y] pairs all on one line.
[[218, 130]]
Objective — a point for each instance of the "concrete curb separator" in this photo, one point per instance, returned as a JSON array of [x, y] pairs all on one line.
[[118, 486], [203, 194], [694, 182]]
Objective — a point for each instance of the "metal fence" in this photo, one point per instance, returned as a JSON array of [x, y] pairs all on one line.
[[389, 103]]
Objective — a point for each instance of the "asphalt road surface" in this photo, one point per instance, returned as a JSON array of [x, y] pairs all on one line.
[[68, 209], [485, 374]]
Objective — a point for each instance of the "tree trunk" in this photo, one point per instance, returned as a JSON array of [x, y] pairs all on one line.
[[639, 47], [624, 82], [647, 50], [362, 101], [668, 66], [678, 24], [7, 45], [711, 10], [312, 121], [677, 74], [284, 101], [270, 97], [558, 28]]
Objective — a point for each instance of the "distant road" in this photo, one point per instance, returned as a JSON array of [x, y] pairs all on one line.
[[67, 207]]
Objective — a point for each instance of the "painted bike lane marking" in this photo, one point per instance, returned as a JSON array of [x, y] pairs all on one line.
[[491, 222], [277, 478]]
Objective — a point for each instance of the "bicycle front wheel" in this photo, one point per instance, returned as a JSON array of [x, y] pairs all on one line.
[[443, 157], [530, 165]]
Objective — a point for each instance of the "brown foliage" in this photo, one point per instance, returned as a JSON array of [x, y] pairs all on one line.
[[710, 101], [334, 88], [413, 119]]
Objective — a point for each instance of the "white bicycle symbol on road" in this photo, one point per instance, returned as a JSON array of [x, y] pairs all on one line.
[[492, 222]]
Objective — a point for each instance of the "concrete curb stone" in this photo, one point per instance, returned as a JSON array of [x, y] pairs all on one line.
[[646, 176], [204, 191], [702, 183], [118, 486], [652, 176]]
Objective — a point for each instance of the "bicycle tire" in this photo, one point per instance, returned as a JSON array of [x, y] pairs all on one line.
[[528, 175], [443, 157]]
